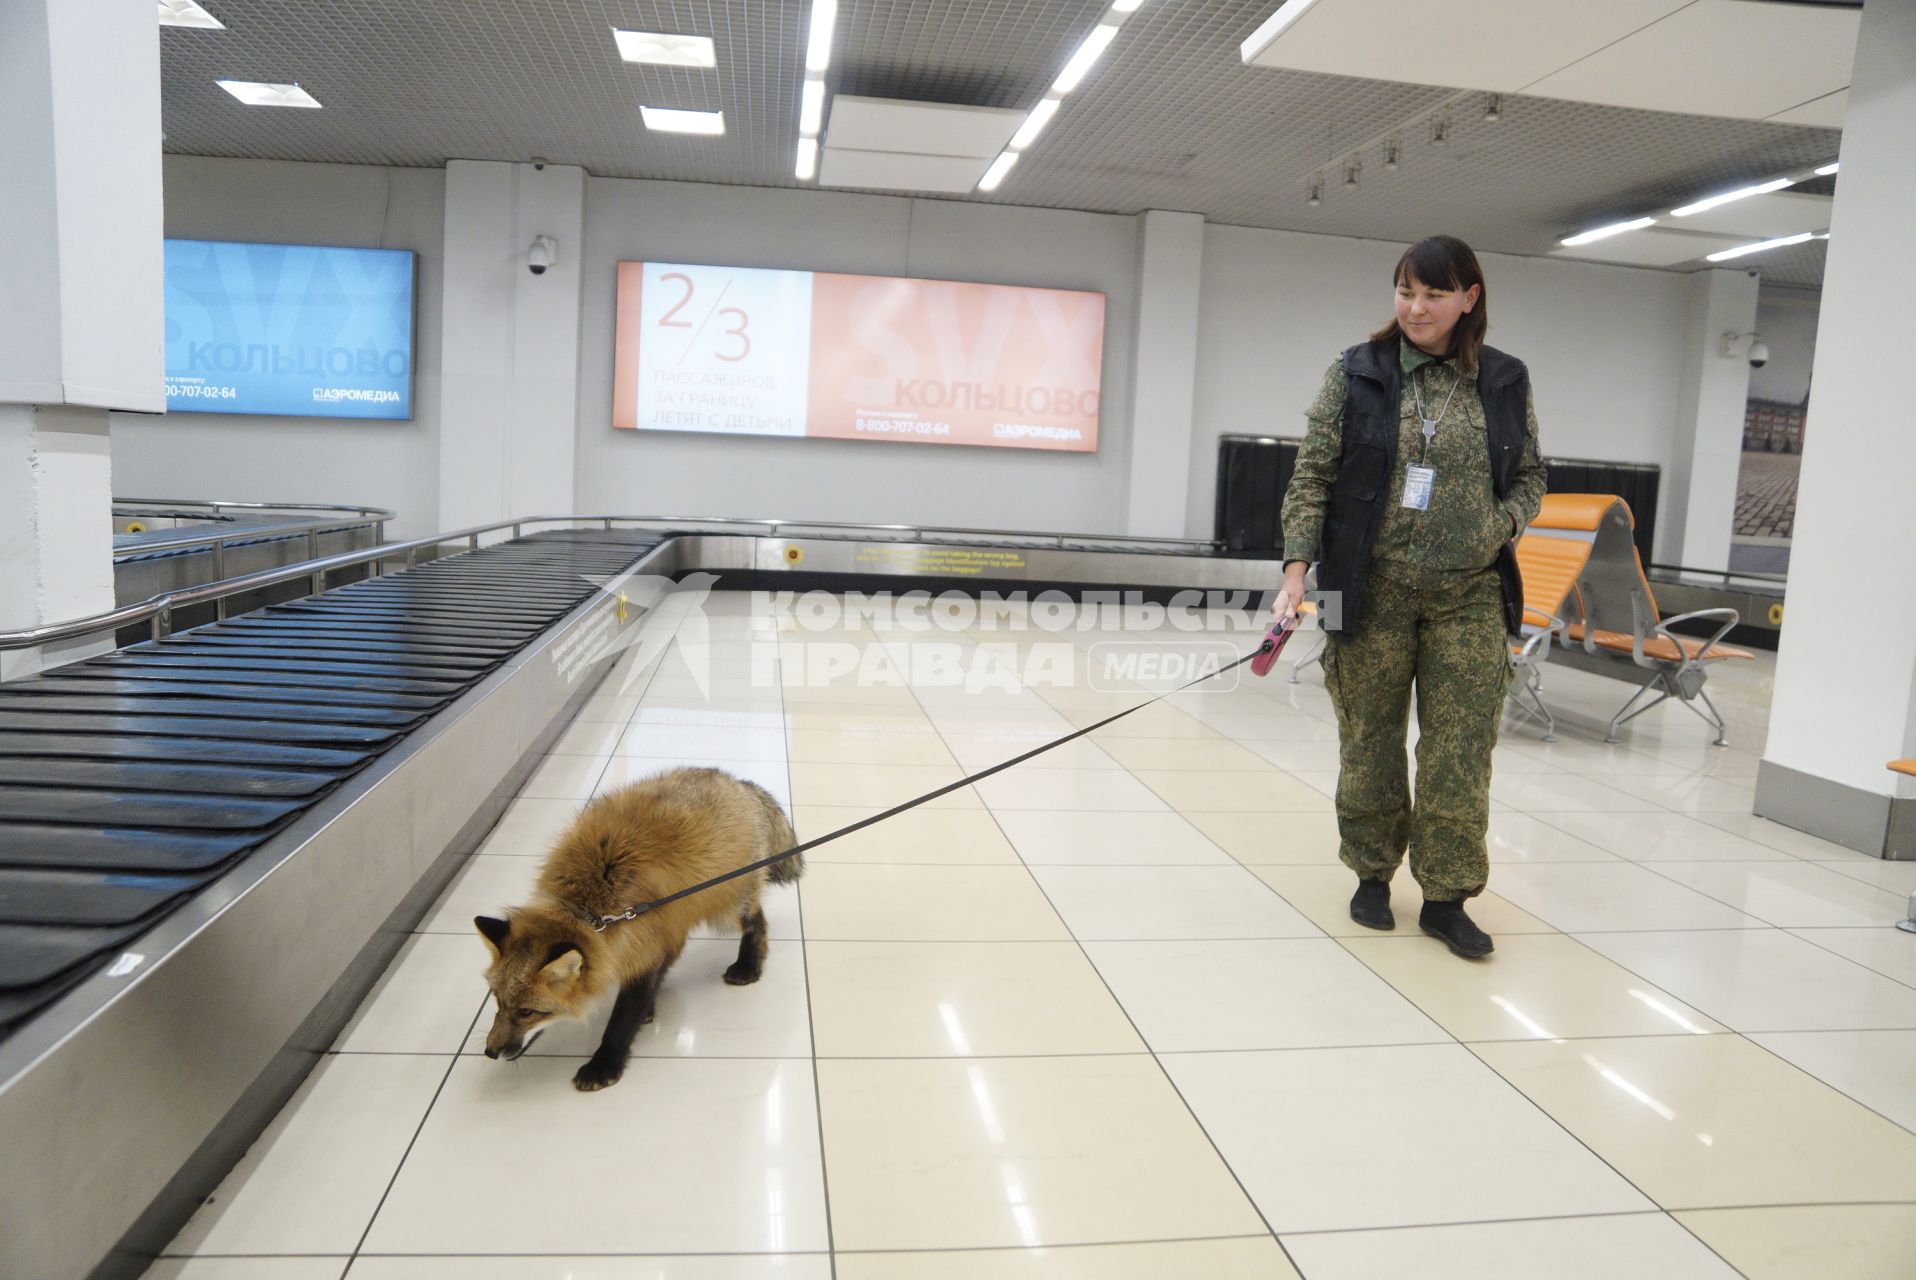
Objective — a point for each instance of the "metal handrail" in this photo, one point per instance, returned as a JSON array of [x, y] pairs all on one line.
[[220, 504], [159, 609], [361, 517]]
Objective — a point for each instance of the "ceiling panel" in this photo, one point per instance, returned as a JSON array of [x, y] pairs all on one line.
[[1719, 57], [1171, 119], [1650, 247], [1825, 112], [1532, 40], [1780, 213], [940, 129], [897, 171]]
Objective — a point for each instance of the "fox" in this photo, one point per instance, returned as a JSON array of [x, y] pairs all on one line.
[[632, 845]]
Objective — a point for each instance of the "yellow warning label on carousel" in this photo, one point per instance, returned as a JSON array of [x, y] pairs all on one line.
[[955, 561], [794, 555], [1776, 615]]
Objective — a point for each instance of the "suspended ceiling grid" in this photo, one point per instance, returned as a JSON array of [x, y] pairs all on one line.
[[1171, 119]]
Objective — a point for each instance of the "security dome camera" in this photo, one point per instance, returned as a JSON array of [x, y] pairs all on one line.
[[543, 254], [1759, 354]]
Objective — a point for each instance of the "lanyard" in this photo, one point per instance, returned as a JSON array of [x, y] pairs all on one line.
[[1430, 423]]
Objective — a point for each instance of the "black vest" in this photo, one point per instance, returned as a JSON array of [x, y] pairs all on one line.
[[1374, 389]]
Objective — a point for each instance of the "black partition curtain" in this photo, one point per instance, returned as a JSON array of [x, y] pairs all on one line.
[[1254, 471]]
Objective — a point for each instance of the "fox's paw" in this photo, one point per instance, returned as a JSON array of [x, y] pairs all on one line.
[[740, 975], [597, 1074]]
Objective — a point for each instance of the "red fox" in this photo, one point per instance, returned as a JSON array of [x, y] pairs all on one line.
[[633, 845]]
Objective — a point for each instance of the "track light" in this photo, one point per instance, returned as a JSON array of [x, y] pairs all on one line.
[[1317, 191], [1439, 131], [1393, 149], [1351, 171], [1493, 104]]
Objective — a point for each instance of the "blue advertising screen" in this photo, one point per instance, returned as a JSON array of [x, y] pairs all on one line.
[[297, 330]]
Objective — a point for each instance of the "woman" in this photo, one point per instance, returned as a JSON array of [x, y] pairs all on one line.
[[1419, 470]]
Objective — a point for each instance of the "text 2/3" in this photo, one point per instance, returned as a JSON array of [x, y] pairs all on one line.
[[742, 320]]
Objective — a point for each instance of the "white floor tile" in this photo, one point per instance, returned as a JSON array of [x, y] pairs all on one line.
[[1794, 894], [681, 1156], [312, 1181], [427, 999], [1099, 839], [1248, 1258], [1647, 1244], [1336, 1139], [576, 1267], [1267, 994], [1582, 896], [1877, 1068], [1137, 903]]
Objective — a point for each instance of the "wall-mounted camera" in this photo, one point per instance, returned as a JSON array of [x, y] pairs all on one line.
[[543, 255], [1757, 352]]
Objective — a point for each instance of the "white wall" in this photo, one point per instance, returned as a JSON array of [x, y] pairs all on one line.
[[1604, 344], [853, 480], [1787, 320], [270, 459]]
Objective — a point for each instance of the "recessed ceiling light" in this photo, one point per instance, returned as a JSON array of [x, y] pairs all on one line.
[[996, 173], [666, 50], [811, 107], [807, 158], [1604, 233], [1741, 193], [1827, 169], [818, 44], [255, 94], [1760, 246], [1034, 123], [673, 120], [1085, 58], [184, 13]]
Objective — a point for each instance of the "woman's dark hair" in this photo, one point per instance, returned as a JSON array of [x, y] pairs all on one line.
[[1445, 262]]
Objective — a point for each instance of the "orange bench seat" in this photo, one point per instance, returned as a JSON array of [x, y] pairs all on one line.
[[1663, 648]]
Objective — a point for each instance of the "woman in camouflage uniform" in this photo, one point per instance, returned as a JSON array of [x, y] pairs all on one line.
[[1419, 470]]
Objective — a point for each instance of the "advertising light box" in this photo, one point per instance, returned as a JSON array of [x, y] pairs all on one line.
[[744, 351], [294, 330]]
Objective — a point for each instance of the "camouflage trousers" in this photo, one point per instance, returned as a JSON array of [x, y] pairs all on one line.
[[1445, 636]]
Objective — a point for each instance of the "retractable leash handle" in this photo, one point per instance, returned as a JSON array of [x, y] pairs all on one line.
[[1272, 645]]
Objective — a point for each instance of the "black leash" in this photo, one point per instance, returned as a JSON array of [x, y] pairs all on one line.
[[601, 923]]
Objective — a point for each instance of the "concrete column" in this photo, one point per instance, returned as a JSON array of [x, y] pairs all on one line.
[[1699, 498], [510, 389], [1845, 700], [1164, 373], [81, 319]]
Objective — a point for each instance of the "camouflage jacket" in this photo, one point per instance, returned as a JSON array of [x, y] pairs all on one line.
[[1464, 524]]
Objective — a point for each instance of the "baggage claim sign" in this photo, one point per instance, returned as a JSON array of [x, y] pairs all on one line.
[[742, 351]]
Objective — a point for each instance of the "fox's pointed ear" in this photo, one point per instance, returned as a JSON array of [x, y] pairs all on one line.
[[563, 964], [494, 931]]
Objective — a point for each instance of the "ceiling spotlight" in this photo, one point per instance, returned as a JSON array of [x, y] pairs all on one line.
[[1317, 191], [1439, 131], [185, 13], [1393, 150], [1351, 171], [1492, 107]]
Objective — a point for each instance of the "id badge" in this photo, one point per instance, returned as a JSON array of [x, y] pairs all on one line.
[[1417, 482]]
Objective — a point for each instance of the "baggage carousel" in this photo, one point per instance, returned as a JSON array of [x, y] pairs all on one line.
[[212, 842]]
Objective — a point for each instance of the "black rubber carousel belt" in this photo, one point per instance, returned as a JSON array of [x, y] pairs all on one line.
[[129, 781], [177, 749], [358, 660]]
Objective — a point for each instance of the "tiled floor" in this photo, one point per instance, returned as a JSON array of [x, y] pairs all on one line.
[[1105, 1014]]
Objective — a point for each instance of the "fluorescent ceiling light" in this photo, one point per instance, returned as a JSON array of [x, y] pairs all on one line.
[[1082, 61], [1034, 123], [184, 13], [667, 50], [811, 108], [1127, 6], [1827, 169], [818, 48], [673, 120], [1761, 188], [1274, 26], [1604, 233], [807, 158], [255, 94], [996, 173], [1760, 246]]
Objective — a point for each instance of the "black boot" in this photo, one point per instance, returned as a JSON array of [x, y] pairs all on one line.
[[1370, 905], [1446, 920]]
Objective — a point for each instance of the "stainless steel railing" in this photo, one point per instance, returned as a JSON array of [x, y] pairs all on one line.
[[159, 609]]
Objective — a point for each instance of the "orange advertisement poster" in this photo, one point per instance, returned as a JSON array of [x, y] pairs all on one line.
[[746, 351]]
